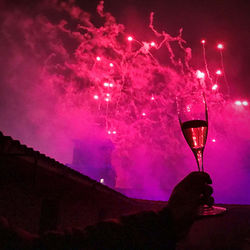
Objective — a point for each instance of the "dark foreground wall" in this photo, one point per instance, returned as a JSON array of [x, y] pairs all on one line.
[[38, 194]]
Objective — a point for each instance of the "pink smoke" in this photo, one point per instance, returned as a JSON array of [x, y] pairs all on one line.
[[50, 77]]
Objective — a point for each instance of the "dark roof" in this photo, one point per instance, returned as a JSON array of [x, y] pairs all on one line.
[[13, 148]]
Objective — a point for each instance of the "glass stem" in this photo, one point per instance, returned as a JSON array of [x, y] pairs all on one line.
[[199, 159]]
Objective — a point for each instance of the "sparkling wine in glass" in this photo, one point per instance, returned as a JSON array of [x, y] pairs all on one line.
[[193, 118], [195, 133]]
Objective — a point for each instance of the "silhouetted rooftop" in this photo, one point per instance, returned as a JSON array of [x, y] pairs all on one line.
[[13, 148]]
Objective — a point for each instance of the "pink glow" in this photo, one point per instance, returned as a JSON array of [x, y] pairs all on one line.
[[200, 75], [96, 97], [111, 65], [194, 140], [213, 140], [203, 41], [215, 86], [50, 97], [130, 38], [143, 114], [152, 44], [220, 46], [218, 72], [238, 103]]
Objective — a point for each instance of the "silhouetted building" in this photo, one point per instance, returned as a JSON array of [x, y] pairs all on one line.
[[38, 193], [92, 157]]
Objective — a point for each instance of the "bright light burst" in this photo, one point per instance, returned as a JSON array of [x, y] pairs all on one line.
[[241, 103], [130, 38], [200, 75], [218, 72], [220, 46], [215, 86]]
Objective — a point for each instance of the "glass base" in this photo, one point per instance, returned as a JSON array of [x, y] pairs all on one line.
[[211, 211]]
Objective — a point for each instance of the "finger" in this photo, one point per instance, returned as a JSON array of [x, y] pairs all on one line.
[[198, 178], [207, 190], [201, 177], [207, 200], [202, 190]]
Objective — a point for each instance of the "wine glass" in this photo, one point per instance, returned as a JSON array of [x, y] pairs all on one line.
[[193, 118]]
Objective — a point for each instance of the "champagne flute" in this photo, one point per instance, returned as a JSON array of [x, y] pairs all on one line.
[[193, 118]]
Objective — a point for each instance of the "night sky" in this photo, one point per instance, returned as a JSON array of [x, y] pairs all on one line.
[[224, 21], [216, 21]]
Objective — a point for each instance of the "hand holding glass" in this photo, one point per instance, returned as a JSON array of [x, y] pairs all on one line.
[[193, 118]]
